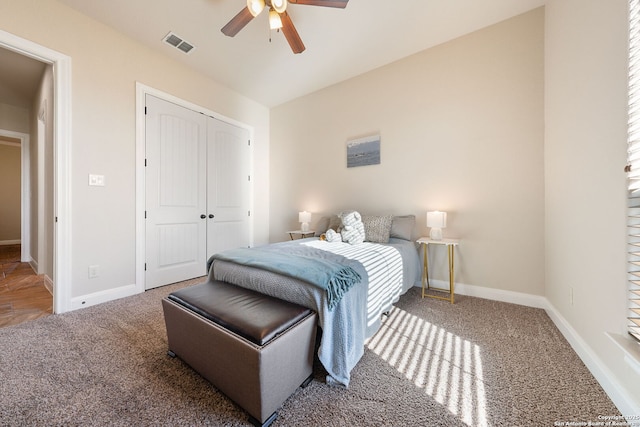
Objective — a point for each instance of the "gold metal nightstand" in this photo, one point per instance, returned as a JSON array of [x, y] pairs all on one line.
[[301, 233], [450, 244]]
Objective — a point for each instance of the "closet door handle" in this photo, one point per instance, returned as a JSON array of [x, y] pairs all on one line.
[[203, 216], [211, 215]]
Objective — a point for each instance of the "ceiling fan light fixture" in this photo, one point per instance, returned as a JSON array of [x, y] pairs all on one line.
[[275, 22], [279, 5], [255, 6], [279, 19]]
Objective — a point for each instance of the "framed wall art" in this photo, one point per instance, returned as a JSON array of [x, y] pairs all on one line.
[[363, 151]]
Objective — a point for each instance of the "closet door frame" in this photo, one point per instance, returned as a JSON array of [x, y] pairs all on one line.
[[141, 92]]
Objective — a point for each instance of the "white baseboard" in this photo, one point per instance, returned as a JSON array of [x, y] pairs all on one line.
[[614, 389], [34, 265], [103, 296], [10, 242], [493, 294], [48, 283]]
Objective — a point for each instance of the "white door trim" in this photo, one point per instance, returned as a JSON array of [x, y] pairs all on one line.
[[25, 202], [141, 91], [62, 160]]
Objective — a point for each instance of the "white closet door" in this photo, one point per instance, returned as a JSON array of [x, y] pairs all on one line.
[[175, 180], [228, 187]]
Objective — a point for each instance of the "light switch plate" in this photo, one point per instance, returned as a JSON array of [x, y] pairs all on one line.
[[96, 180]]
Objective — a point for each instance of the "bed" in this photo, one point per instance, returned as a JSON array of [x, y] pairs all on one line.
[[384, 272]]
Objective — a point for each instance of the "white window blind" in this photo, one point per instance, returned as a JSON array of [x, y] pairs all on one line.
[[633, 169]]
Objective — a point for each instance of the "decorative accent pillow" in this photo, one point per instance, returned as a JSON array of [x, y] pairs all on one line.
[[352, 228], [402, 227], [331, 236], [377, 228]]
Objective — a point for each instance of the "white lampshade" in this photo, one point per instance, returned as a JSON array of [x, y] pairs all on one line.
[[274, 20], [255, 6], [305, 218], [279, 5], [436, 220]]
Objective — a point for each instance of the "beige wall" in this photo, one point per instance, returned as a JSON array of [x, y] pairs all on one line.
[[13, 118], [41, 176], [585, 152], [462, 131], [105, 68], [9, 192]]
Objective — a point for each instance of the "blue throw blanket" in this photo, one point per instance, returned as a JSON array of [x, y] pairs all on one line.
[[335, 278]]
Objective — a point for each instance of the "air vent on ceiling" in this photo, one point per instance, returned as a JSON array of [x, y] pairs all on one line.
[[178, 42]]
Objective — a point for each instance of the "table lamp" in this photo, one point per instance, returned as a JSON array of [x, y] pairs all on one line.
[[436, 220], [305, 218]]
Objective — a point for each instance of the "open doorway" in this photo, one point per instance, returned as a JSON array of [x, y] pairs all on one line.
[[15, 190], [57, 108], [26, 188]]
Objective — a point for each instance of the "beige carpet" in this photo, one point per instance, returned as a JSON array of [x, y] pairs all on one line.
[[475, 363]]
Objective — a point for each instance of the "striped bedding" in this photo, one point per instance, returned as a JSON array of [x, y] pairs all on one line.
[[387, 272], [384, 269]]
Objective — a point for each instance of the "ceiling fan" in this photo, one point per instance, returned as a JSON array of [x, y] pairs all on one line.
[[278, 18]]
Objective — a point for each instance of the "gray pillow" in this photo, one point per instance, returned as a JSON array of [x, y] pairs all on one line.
[[335, 223], [322, 225], [377, 228], [402, 226], [327, 222]]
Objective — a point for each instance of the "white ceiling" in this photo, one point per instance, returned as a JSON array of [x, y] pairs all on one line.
[[341, 43]]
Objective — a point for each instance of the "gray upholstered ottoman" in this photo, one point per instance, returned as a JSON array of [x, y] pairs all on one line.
[[254, 348]]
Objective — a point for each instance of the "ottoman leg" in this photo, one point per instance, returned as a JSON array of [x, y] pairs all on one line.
[[267, 422], [307, 381]]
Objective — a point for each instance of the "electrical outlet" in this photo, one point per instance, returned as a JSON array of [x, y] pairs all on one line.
[[94, 271]]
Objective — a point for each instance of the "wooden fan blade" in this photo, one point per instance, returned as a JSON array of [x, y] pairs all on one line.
[[327, 3], [290, 32], [238, 22]]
